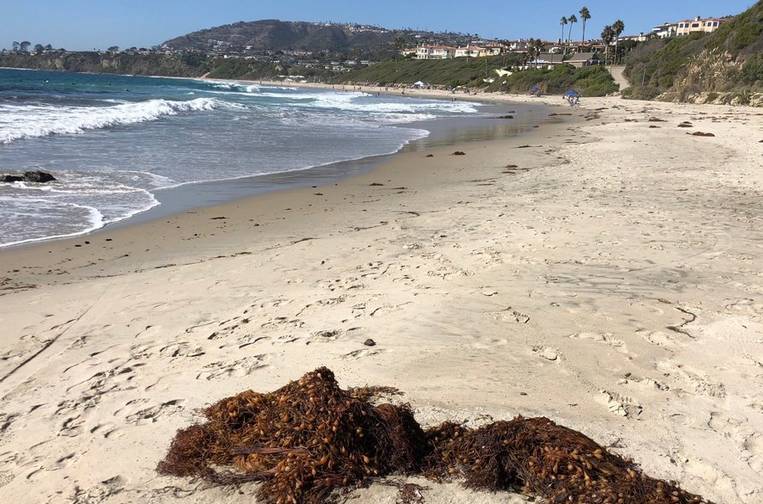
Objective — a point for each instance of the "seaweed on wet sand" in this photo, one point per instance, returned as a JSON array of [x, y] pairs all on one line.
[[311, 438]]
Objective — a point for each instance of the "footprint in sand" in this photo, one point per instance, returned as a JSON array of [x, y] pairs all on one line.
[[619, 405], [5, 478], [239, 368], [152, 414], [548, 353], [98, 493], [696, 382], [180, 349], [363, 352], [658, 338], [605, 338]]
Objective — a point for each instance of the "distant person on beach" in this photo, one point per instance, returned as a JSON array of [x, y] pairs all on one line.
[[572, 97]]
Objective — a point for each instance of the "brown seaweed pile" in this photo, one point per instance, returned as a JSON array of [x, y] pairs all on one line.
[[311, 438]]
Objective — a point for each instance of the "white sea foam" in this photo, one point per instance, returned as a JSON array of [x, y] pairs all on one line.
[[75, 204], [63, 220], [29, 121], [354, 102], [232, 86]]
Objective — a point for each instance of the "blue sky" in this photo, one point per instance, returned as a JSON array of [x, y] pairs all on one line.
[[87, 24]]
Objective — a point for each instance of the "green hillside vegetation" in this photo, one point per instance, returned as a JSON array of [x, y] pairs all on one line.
[[240, 68], [588, 81], [468, 72], [472, 73], [724, 67]]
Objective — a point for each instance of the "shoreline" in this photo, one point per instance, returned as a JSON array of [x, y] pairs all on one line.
[[156, 211], [587, 272], [358, 170]]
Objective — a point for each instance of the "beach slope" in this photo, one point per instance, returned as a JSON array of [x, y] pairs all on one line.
[[603, 271]]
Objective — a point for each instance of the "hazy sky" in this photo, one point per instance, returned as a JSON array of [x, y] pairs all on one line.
[[88, 24]]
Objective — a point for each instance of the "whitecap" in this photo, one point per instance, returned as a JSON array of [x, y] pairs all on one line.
[[29, 121]]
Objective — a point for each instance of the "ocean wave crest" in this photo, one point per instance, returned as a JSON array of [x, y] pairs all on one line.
[[30, 121], [355, 102]]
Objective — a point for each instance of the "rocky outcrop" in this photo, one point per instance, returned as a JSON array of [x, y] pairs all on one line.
[[36, 176]]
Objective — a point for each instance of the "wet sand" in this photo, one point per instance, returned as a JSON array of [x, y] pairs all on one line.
[[604, 272]]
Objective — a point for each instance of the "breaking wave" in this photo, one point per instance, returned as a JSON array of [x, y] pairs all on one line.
[[30, 121]]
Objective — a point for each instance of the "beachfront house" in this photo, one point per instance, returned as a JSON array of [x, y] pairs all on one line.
[[698, 25], [584, 59], [435, 52], [547, 60]]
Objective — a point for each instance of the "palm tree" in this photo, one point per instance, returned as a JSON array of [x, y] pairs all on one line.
[[607, 35], [585, 15], [563, 22], [539, 47], [572, 20], [618, 27]]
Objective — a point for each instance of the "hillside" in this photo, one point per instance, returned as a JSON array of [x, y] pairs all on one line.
[[275, 35], [450, 73], [591, 81], [722, 67], [186, 65]]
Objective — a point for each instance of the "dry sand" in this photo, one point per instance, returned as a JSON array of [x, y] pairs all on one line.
[[611, 281]]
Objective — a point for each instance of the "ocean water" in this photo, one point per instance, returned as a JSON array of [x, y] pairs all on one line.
[[113, 141]]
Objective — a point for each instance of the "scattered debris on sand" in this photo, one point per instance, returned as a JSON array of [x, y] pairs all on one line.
[[311, 438]]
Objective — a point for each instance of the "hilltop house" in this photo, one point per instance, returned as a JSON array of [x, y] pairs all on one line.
[[435, 52], [641, 37], [470, 51], [687, 26], [697, 25], [665, 30]]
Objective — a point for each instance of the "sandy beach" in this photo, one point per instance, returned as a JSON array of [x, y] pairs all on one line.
[[604, 271]]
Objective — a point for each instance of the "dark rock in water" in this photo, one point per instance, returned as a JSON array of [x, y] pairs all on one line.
[[459, 153], [40, 177], [430, 155], [37, 177], [369, 342], [702, 134]]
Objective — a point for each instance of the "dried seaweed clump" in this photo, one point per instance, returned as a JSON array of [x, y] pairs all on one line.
[[303, 441], [310, 438], [539, 458]]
